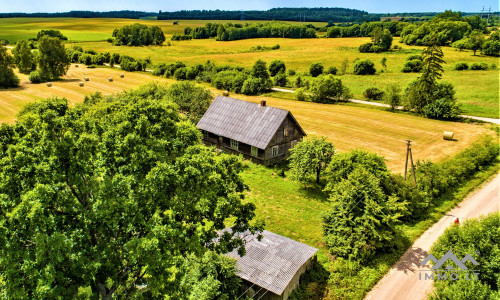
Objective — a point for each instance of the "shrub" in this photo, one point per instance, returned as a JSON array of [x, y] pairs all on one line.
[[229, 80], [301, 95], [181, 73], [328, 89], [392, 96], [481, 66], [461, 66], [254, 86], [280, 80], [160, 69], [364, 67], [413, 64], [171, 68], [316, 69], [35, 77], [276, 66], [443, 108], [373, 93], [85, 59], [366, 48], [332, 70], [291, 72]]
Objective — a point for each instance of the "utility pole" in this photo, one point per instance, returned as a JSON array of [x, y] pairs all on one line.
[[408, 151], [488, 21], [482, 11]]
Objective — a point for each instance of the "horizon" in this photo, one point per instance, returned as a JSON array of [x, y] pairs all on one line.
[[154, 6]]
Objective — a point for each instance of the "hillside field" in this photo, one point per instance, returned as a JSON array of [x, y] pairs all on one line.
[[346, 126]]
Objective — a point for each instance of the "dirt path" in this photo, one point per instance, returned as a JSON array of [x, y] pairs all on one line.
[[402, 281], [489, 120]]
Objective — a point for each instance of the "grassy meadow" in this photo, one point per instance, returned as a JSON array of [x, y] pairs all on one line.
[[477, 91]]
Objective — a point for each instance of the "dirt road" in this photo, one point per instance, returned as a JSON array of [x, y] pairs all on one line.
[[402, 281]]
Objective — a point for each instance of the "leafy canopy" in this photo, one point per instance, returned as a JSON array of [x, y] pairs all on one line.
[[111, 197], [7, 76], [310, 157]]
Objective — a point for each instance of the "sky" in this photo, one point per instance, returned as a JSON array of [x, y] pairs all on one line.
[[372, 6]]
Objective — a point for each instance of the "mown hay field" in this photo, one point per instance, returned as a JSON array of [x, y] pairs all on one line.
[[477, 91], [346, 126]]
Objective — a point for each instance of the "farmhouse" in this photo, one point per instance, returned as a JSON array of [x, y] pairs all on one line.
[[271, 267], [261, 133]]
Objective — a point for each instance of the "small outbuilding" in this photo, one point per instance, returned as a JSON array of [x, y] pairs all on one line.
[[261, 133], [271, 267]]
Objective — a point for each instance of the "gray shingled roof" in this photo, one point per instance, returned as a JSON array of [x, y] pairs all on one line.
[[243, 121], [272, 262]]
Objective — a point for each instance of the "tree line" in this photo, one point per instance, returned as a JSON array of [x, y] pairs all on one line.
[[321, 14], [126, 14]]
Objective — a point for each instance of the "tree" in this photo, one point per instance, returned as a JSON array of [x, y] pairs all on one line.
[[420, 92], [392, 96], [23, 57], [480, 239], [7, 76], [382, 38], [53, 61], [491, 48], [383, 61], [475, 40], [192, 100], [328, 89], [212, 277], [277, 66], [310, 157], [316, 69], [259, 70], [108, 199], [361, 219], [51, 33], [364, 67]]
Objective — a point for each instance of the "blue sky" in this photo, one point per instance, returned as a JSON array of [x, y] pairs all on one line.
[[380, 6]]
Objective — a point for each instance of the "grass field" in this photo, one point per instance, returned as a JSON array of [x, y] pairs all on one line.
[[477, 91], [346, 126]]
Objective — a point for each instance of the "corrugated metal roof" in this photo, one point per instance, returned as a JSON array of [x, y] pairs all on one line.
[[243, 121], [272, 262]]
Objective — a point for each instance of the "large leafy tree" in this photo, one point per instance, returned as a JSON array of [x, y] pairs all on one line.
[[361, 219], [53, 60], [192, 100], [328, 89], [108, 199], [259, 70], [7, 76], [309, 158], [23, 57]]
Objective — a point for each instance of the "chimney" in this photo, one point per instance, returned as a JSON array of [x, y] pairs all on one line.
[[263, 103]]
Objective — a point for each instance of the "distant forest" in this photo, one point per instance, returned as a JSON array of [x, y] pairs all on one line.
[[319, 14], [322, 14], [126, 14]]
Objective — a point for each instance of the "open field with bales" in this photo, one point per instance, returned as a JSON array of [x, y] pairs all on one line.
[[476, 91], [346, 126]]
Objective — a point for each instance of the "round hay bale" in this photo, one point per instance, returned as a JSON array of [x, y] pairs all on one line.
[[122, 75], [49, 84], [86, 79], [76, 66], [110, 79], [448, 135], [225, 93], [80, 83]]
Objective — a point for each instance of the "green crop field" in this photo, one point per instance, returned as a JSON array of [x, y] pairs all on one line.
[[477, 91]]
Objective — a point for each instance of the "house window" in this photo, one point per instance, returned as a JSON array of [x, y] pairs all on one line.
[[293, 143], [274, 151], [285, 131], [255, 151], [234, 144]]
